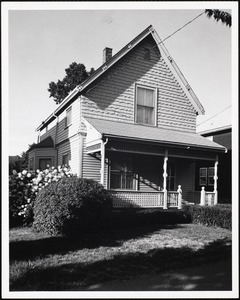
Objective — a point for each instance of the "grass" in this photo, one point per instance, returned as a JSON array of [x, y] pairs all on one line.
[[42, 263]]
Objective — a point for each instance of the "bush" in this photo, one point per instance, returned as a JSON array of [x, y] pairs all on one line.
[[71, 206], [131, 217], [23, 189], [218, 215]]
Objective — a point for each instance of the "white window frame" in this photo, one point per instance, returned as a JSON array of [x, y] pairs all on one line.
[[68, 119], [147, 87]]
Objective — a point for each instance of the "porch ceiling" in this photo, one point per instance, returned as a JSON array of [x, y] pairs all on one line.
[[156, 135]]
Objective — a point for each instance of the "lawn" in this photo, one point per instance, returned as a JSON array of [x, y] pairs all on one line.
[[43, 263]]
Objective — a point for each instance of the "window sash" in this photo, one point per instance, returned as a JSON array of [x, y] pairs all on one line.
[[211, 176], [65, 159], [145, 105], [68, 117], [203, 176]]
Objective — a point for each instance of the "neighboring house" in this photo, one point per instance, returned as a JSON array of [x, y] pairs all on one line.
[[132, 127], [219, 129]]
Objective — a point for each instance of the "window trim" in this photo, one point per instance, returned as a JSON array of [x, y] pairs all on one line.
[[66, 154], [67, 124], [147, 87]]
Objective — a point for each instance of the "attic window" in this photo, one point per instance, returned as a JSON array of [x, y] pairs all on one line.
[[147, 53]]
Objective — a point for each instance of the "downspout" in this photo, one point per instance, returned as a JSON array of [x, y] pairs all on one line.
[[55, 139], [103, 160]]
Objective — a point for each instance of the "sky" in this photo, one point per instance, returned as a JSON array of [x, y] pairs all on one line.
[[44, 39]]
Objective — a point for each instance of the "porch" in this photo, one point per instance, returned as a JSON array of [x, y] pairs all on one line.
[[152, 168]]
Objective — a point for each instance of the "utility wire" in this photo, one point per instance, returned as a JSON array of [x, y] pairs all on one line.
[[215, 115], [137, 57]]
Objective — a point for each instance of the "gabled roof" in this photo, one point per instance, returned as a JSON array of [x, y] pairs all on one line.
[[46, 143], [158, 135], [149, 31], [219, 122]]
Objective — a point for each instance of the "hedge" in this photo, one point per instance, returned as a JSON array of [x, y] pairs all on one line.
[[219, 215]]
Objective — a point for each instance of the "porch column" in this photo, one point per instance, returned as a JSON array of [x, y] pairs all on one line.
[[103, 160], [179, 197], [215, 181], [165, 180]]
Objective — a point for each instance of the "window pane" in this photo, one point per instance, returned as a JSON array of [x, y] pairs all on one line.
[[65, 159], [203, 180], [210, 181], [211, 171], [43, 163], [145, 97], [116, 180], [145, 115], [203, 172]]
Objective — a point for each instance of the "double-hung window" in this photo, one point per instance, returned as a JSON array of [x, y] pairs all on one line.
[[206, 176], [65, 159], [145, 105], [122, 176], [68, 120]]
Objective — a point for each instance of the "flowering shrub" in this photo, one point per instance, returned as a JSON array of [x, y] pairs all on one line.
[[24, 187]]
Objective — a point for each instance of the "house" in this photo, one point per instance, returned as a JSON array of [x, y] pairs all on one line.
[[219, 129], [132, 127]]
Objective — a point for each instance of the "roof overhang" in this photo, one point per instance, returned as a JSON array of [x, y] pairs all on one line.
[[169, 60]]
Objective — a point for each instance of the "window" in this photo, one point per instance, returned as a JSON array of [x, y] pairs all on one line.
[[121, 175], [68, 120], [206, 176], [44, 162], [211, 176], [31, 162], [65, 159], [145, 105]]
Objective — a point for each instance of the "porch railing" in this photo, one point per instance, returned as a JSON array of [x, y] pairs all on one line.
[[207, 198], [145, 199], [137, 199]]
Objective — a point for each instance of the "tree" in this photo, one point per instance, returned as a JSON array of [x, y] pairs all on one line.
[[75, 75], [217, 14]]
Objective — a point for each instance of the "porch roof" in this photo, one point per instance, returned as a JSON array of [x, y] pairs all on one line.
[[137, 132]]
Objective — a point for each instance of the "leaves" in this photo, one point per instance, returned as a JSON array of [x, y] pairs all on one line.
[[75, 75], [217, 14]]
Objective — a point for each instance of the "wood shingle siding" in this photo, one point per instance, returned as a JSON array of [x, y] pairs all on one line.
[[112, 96]]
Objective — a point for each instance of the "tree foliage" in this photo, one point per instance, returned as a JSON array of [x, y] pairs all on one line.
[[217, 14], [75, 75]]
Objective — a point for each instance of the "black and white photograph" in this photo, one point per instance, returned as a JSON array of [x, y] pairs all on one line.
[[120, 149]]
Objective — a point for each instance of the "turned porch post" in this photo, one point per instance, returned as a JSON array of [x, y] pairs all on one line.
[[215, 181], [165, 180], [103, 160]]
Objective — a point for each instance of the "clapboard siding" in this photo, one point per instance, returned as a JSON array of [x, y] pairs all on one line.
[[112, 96], [70, 147], [61, 133]]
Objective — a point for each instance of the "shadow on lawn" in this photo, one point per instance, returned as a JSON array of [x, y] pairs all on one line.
[[30, 249], [79, 276]]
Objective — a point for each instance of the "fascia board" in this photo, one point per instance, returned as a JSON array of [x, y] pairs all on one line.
[[178, 74]]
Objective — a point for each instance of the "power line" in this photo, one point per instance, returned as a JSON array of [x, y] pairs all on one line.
[[137, 57], [215, 115]]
